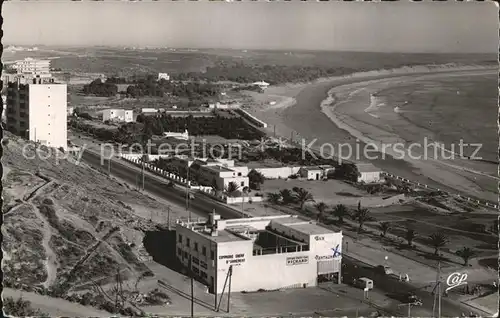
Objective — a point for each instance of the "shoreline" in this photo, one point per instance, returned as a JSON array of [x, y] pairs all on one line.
[[313, 98]]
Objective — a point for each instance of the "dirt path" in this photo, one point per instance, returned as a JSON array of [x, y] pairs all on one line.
[[51, 263]]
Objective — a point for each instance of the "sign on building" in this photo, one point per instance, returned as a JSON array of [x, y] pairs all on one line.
[[297, 260]]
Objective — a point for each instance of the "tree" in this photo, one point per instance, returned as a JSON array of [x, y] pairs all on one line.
[[361, 215], [231, 188], [347, 171], [437, 240], [20, 308], [303, 196], [274, 198], [321, 207], [466, 254], [340, 211], [287, 196], [255, 179], [385, 227], [410, 235]]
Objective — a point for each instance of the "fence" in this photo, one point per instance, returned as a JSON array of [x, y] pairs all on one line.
[[251, 118], [208, 191], [425, 186]]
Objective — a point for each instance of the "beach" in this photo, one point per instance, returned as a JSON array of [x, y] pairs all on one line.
[[342, 111]]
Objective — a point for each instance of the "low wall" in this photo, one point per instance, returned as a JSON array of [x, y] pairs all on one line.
[[208, 191], [160, 172], [251, 117], [278, 172]]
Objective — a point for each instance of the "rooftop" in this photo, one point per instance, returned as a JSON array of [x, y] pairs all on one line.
[[303, 226], [367, 167], [217, 168]]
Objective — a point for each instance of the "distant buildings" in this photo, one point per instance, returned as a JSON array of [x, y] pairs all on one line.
[[315, 173], [368, 173], [123, 115], [71, 111], [219, 105], [37, 111], [177, 135], [163, 76], [261, 84], [33, 67]]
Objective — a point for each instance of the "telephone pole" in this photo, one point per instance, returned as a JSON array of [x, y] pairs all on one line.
[[192, 285], [229, 290], [437, 293], [142, 172], [187, 192]]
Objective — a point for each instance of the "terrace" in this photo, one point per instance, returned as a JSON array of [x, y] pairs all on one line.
[[272, 242]]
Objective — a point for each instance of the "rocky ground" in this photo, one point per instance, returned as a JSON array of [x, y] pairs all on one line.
[[68, 228]]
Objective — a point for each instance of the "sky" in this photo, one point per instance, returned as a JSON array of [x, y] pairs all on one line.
[[437, 27]]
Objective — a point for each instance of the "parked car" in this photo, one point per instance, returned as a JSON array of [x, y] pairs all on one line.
[[384, 269]]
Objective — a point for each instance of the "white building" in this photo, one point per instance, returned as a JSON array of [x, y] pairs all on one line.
[[261, 84], [71, 111], [315, 173], [118, 115], [38, 111], [178, 135], [222, 176], [220, 105], [368, 173], [164, 76], [269, 253], [33, 66]]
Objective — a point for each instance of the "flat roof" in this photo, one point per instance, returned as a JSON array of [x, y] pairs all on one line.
[[217, 168], [303, 226], [223, 236], [367, 167]]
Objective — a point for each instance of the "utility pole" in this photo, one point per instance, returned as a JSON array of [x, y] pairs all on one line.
[[274, 127], [437, 292], [187, 193], [229, 290], [109, 167], [192, 285], [142, 171]]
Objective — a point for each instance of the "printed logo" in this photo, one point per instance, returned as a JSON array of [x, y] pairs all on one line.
[[455, 280]]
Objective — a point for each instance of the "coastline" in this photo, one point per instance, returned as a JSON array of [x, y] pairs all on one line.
[[314, 101]]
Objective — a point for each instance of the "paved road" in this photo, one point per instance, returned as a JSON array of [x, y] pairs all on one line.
[[392, 287], [200, 206]]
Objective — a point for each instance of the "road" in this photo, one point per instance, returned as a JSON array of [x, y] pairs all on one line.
[[391, 286], [201, 205]]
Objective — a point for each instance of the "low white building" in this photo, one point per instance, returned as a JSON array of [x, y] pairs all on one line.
[[163, 76], [118, 115], [269, 253], [261, 84], [316, 172], [219, 105], [368, 173], [178, 135], [223, 176]]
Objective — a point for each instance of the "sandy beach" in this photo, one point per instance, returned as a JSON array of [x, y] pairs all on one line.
[[338, 111]]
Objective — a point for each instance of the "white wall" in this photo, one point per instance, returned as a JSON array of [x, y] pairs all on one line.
[[369, 177], [279, 172], [48, 114]]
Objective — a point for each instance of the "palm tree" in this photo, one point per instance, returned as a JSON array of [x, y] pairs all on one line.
[[340, 211], [321, 207], [231, 188], [410, 235], [466, 254], [303, 196], [437, 240], [287, 196], [274, 197], [385, 227], [361, 215], [255, 179]]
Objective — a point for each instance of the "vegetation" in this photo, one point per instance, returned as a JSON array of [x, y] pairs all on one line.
[[248, 73], [292, 156], [321, 207], [303, 196], [466, 254], [340, 211], [410, 235], [229, 128], [255, 179], [361, 215], [193, 91], [20, 308], [274, 198], [437, 240], [98, 88], [346, 171], [385, 227], [231, 189]]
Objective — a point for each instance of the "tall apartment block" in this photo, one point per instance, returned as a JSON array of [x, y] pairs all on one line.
[[33, 66], [37, 110]]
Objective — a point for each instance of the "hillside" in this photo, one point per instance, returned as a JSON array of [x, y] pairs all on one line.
[[66, 225]]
